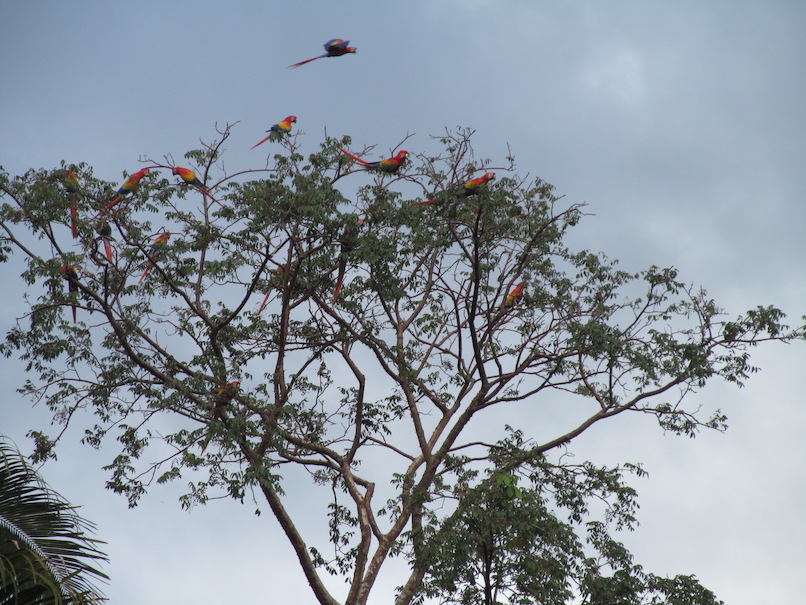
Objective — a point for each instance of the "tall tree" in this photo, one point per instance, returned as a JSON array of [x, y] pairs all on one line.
[[377, 395]]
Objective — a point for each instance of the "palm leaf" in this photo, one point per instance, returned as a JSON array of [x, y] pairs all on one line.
[[46, 555]]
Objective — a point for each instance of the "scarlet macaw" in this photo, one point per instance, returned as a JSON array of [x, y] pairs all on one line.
[[276, 276], [105, 235], [128, 186], [515, 295], [220, 401], [390, 165], [277, 130], [190, 178], [71, 186], [334, 48], [349, 241], [69, 273], [157, 246], [468, 189]]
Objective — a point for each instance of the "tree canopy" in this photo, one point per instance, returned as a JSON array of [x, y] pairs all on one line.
[[373, 336]]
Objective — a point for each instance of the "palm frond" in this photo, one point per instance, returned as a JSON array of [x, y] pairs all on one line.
[[46, 554]]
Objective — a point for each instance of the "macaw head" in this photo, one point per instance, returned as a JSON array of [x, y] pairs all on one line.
[[104, 229], [290, 119], [487, 177], [68, 271], [70, 180], [139, 174], [402, 155], [229, 388], [183, 172]]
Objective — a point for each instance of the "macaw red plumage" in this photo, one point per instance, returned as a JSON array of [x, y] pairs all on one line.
[[515, 295], [128, 186], [222, 398], [190, 178], [157, 246], [390, 165], [105, 235], [71, 186], [334, 48], [69, 273], [471, 187], [278, 130], [275, 278]]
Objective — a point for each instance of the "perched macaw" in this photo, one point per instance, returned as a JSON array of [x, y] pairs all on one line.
[[128, 186], [157, 246], [516, 295], [334, 48], [278, 130], [390, 165], [223, 396], [348, 241], [69, 273], [470, 188], [71, 186], [220, 401], [105, 236], [275, 278], [190, 178]]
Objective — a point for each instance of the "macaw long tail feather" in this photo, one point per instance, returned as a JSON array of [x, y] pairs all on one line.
[[305, 61], [263, 304], [263, 141], [339, 280], [356, 158], [424, 203], [208, 194], [106, 208], [108, 250], [143, 276]]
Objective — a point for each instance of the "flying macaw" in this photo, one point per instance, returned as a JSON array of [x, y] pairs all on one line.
[[390, 165], [128, 186], [334, 48], [470, 188], [157, 246], [220, 401], [71, 186], [277, 131], [275, 278], [348, 241], [190, 178], [69, 273], [105, 235], [516, 295]]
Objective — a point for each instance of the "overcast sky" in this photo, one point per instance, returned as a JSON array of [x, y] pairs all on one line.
[[681, 124]]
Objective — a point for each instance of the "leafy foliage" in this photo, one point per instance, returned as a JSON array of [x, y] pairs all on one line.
[[374, 393], [46, 556], [508, 544]]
